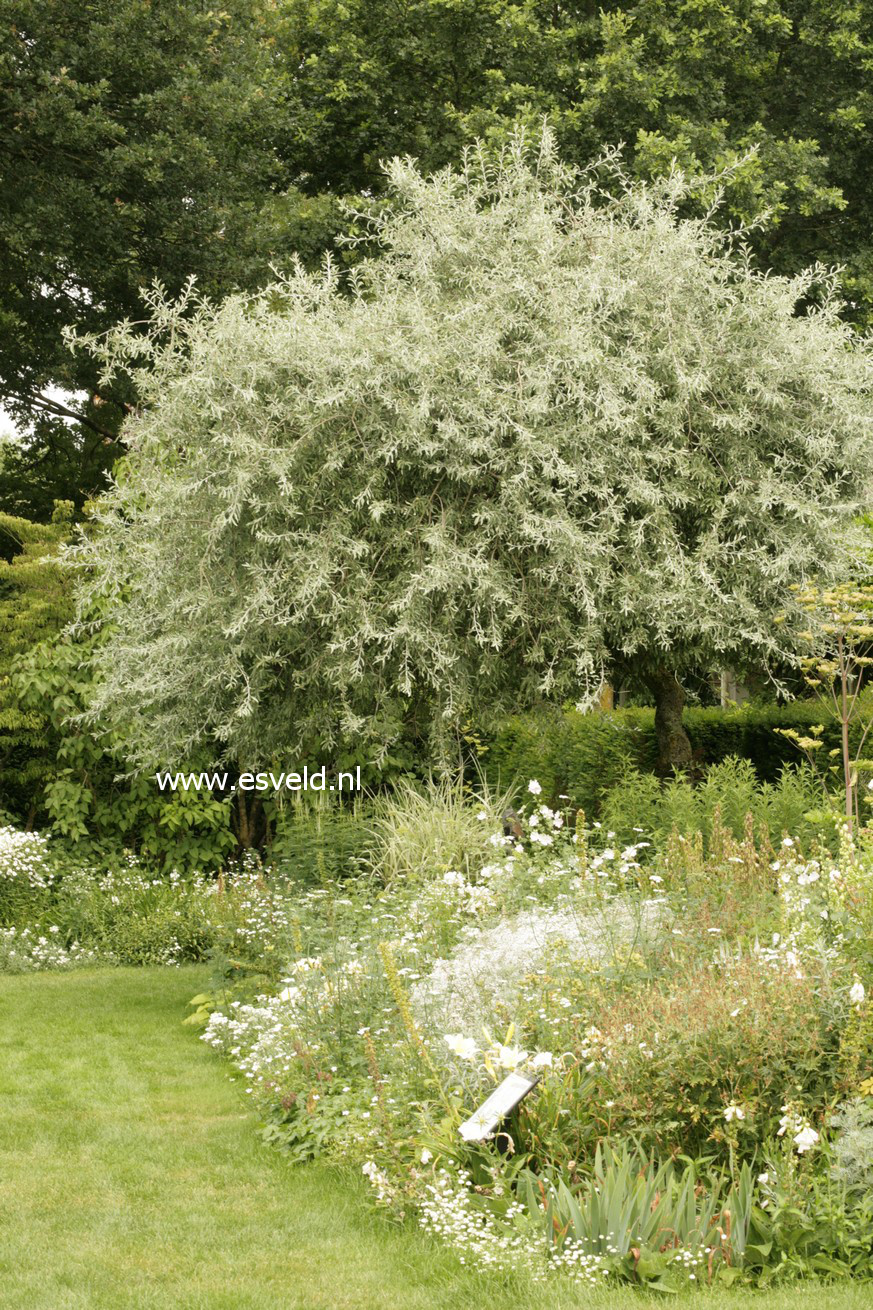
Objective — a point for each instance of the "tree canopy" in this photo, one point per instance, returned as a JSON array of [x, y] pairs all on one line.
[[136, 144], [701, 81], [551, 424], [145, 142]]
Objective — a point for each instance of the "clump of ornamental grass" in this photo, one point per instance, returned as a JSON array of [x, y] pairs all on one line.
[[422, 831]]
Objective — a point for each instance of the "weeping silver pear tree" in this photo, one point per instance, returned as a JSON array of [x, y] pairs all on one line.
[[549, 424]]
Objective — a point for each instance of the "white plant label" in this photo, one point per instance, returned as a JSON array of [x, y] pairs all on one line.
[[499, 1104]]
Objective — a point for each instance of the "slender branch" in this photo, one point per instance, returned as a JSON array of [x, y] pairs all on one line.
[[61, 411]]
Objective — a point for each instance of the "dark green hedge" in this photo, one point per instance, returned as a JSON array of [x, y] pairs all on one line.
[[583, 755]]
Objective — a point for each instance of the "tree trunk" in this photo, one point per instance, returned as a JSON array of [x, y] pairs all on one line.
[[674, 748]]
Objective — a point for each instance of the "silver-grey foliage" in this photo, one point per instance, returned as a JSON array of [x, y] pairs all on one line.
[[540, 427]]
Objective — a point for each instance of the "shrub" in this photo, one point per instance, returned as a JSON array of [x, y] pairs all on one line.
[[584, 756], [730, 790], [852, 1144], [683, 1048], [318, 842], [35, 603], [26, 875]]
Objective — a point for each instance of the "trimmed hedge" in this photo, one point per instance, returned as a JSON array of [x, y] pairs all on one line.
[[582, 756]]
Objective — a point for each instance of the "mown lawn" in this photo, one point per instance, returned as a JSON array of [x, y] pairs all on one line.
[[131, 1176]]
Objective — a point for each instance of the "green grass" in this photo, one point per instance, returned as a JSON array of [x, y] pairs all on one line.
[[131, 1176]]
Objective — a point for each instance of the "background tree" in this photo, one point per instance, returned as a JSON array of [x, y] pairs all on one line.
[[136, 144], [549, 427], [35, 604], [698, 80]]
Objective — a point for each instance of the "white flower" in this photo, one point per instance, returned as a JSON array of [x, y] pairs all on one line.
[[802, 1132], [763, 1178], [465, 1047], [534, 787], [857, 993], [509, 1057], [734, 1112], [482, 816], [476, 1126], [542, 1060], [805, 1139], [426, 1156]]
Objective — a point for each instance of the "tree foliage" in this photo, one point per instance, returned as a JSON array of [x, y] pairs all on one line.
[[54, 769], [701, 81], [136, 144], [35, 603], [552, 424], [145, 141]]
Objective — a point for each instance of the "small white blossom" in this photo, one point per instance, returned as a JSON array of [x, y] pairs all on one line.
[[805, 1139]]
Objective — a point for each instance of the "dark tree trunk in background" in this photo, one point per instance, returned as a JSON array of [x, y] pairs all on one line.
[[674, 747]]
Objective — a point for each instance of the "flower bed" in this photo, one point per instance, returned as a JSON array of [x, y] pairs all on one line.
[[700, 1029]]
